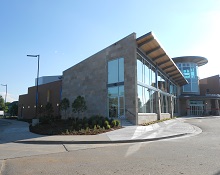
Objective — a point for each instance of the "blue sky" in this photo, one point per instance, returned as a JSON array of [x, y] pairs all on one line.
[[66, 32]]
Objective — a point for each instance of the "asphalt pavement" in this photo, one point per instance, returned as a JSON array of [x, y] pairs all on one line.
[[162, 148]]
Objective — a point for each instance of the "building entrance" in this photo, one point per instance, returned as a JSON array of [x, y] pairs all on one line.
[[116, 107], [196, 108]]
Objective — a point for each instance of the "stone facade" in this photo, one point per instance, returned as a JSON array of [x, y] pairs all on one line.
[[89, 79]]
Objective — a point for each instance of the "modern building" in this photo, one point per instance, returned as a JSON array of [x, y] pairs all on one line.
[[133, 78], [47, 92], [195, 98]]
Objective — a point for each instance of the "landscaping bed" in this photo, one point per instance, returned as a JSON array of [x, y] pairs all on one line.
[[74, 126]]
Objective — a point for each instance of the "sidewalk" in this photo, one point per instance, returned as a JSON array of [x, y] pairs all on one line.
[[128, 134]]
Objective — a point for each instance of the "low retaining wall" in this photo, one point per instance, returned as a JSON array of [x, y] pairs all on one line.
[[146, 117], [164, 115]]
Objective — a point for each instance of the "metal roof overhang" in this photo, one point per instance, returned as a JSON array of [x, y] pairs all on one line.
[[152, 49], [200, 61]]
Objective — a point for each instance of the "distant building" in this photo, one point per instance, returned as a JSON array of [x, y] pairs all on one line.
[[48, 92], [47, 79], [196, 98], [210, 85]]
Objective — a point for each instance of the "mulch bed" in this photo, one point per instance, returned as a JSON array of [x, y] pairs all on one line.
[[64, 128]]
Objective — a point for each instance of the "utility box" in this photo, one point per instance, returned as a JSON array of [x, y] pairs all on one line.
[[1, 113]]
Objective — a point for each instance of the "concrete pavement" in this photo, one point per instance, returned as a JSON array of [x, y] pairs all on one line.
[[17, 141]]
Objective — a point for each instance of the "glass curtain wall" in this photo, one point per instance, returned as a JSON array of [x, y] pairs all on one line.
[[146, 100], [189, 71], [116, 102], [147, 87]]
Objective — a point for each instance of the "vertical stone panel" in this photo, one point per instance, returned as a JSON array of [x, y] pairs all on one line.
[[89, 79]]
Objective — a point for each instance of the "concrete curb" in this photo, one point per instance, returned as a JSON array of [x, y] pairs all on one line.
[[99, 142]]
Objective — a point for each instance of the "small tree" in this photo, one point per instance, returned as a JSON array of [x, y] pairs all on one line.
[[2, 103], [64, 105], [49, 109], [79, 105], [13, 110], [41, 110]]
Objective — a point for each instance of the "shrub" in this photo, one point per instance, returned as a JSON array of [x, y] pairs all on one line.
[[94, 122], [87, 130], [84, 120], [67, 132], [117, 122], [44, 120], [80, 126], [108, 127], [113, 123], [95, 128], [106, 123], [99, 122], [86, 125]]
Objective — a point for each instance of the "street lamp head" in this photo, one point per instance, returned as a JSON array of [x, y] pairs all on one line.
[[32, 55], [4, 84]]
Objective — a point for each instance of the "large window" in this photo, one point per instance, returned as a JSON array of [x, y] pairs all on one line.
[[145, 72], [147, 87], [162, 83], [164, 103], [116, 71], [173, 89], [116, 103], [146, 100]]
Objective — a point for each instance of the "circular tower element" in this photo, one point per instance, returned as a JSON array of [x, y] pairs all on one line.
[[188, 65]]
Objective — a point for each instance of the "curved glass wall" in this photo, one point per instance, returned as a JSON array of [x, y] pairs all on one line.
[[189, 71]]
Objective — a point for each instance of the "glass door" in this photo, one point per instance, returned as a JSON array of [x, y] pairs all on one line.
[[116, 107], [113, 107], [121, 112]]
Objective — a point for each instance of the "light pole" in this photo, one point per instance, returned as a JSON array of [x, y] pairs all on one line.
[[6, 89], [38, 56]]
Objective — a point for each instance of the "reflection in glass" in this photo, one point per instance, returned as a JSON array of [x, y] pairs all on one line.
[[116, 101], [113, 107], [113, 71], [140, 100], [189, 71], [121, 90], [145, 72], [146, 100], [121, 70], [139, 70], [116, 71], [113, 91]]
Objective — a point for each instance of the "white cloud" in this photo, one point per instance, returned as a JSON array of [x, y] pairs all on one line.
[[10, 97]]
